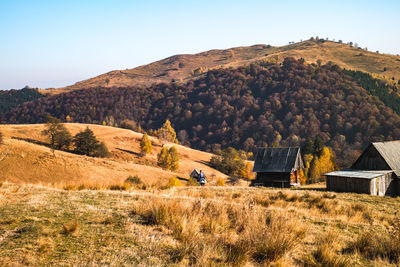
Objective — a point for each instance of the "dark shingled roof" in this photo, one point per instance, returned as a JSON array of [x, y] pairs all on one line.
[[282, 159]]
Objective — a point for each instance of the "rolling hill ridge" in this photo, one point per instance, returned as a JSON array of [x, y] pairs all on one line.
[[182, 68]]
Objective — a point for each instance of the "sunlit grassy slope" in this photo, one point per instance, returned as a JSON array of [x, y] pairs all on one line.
[[24, 158]]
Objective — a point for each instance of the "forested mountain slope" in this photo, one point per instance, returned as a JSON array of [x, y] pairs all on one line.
[[261, 104], [12, 98]]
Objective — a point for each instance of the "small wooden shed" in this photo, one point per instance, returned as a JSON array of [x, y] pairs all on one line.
[[375, 172], [278, 167], [357, 181]]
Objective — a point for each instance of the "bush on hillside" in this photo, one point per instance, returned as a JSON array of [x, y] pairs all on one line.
[[220, 182], [174, 181], [86, 143], [134, 180], [129, 124]]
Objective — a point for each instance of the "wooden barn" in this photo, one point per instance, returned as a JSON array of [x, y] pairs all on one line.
[[278, 167], [375, 172]]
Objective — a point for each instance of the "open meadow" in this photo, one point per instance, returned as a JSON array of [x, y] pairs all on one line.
[[202, 226]]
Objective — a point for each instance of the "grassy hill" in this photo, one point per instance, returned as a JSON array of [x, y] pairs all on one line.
[[185, 67], [210, 226], [25, 158]]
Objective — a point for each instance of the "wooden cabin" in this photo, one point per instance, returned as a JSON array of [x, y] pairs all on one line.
[[375, 172], [278, 167]]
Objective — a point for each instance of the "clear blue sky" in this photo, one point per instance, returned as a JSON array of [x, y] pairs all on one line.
[[56, 43]]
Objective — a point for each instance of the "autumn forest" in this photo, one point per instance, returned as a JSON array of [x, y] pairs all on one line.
[[262, 104]]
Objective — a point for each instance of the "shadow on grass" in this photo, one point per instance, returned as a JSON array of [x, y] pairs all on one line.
[[183, 179], [31, 141], [130, 152], [321, 189], [40, 143]]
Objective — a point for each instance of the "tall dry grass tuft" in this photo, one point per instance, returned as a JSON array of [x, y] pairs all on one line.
[[231, 233], [375, 245], [45, 245], [325, 254], [265, 237]]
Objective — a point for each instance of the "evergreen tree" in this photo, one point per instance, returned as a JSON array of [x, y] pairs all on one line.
[[174, 155], [145, 144], [308, 147], [86, 143], [60, 137], [318, 145]]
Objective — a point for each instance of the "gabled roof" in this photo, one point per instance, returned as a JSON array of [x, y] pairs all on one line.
[[390, 151], [281, 159], [194, 174]]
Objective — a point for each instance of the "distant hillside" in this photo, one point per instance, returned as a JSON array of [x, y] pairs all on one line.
[[12, 98], [258, 105], [181, 68], [25, 159]]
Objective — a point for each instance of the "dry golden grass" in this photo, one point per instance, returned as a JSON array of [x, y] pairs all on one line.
[[201, 226], [181, 67], [24, 161]]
